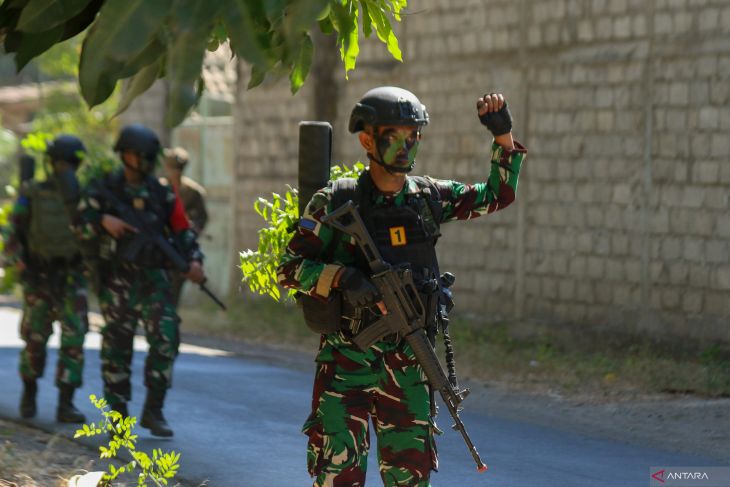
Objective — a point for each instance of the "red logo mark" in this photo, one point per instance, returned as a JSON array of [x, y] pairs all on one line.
[[658, 476]]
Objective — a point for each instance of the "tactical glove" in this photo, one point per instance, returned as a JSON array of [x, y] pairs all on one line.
[[499, 123], [357, 289]]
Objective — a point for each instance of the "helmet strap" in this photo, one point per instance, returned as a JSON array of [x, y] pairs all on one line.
[[391, 169]]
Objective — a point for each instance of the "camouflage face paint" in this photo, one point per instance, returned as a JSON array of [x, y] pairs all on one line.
[[398, 148]]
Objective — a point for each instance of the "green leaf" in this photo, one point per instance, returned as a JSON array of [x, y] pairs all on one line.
[[274, 10], [344, 19], [9, 16], [139, 83], [300, 15], [383, 28], [242, 27], [40, 15], [367, 24], [33, 44], [151, 53], [194, 21], [258, 74], [325, 25], [123, 30]]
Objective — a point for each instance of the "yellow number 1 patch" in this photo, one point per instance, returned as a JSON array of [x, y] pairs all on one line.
[[397, 236]]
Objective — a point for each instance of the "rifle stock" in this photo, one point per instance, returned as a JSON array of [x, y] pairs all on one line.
[[406, 316]]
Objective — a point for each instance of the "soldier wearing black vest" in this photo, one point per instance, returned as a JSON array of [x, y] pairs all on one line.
[[135, 285], [40, 244], [384, 384]]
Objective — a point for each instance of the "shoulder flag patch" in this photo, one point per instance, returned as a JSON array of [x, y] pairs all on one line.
[[307, 224]]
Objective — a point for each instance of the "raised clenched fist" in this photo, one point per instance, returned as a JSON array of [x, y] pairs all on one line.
[[494, 114]]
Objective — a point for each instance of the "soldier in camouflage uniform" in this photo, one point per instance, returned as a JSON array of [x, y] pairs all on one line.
[[40, 244], [137, 290], [403, 214], [192, 195]]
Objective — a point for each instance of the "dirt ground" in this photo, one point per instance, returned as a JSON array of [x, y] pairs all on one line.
[[33, 458]]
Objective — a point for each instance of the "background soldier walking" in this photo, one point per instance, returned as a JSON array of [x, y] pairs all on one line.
[[42, 247], [192, 195], [135, 286], [403, 214]]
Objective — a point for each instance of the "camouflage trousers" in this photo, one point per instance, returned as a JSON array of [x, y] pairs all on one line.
[[130, 295], [177, 280], [386, 385], [48, 297]]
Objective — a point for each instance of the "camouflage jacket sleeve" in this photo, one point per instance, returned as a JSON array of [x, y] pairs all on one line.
[[301, 266], [15, 233], [466, 201]]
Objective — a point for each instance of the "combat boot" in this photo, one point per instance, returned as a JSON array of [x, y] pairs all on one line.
[[152, 417], [27, 400], [66, 411]]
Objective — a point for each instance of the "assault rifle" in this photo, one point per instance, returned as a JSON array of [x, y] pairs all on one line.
[[148, 236], [406, 315]]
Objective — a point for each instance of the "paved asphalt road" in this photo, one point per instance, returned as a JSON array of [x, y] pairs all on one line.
[[237, 423]]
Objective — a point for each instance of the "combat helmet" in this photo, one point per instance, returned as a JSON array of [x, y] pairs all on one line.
[[142, 140], [66, 148], [390, 105], [387, 105]]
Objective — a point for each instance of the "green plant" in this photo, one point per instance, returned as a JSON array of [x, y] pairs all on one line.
[[159, 468], [145, 40], [716, 365], [281, 214], [8, 275]]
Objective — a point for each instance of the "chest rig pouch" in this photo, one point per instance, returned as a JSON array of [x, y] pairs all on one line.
[[405, 235], [149, 207], [49, 238]]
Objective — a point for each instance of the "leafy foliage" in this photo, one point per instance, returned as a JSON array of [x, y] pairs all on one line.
[[144, 40], [159, 469], [8, 275], [281, 214]]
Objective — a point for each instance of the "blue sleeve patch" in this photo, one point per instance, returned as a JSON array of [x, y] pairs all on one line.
[[23, 200], [307, 224]]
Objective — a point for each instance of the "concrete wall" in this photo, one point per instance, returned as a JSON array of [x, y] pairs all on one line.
[[622, 222]]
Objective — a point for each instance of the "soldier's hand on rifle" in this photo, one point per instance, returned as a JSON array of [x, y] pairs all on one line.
[[358, 290], [195, 273], [116, 226], [494, 114]]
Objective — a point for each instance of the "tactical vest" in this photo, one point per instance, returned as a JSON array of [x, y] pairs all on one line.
[[49, 236], [404, 235], [152, 208]]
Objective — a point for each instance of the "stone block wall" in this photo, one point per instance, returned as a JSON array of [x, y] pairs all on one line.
[[622, 222]]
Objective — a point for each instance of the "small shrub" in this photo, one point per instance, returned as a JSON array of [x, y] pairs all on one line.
[[159, 469]]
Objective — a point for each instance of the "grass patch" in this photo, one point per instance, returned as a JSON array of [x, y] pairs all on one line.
[[254, 320], [488, 353]]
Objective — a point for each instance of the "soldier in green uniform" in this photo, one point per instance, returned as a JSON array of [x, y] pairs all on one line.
[[135, 286], [192, 195], [40, 244], [403, 213]]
